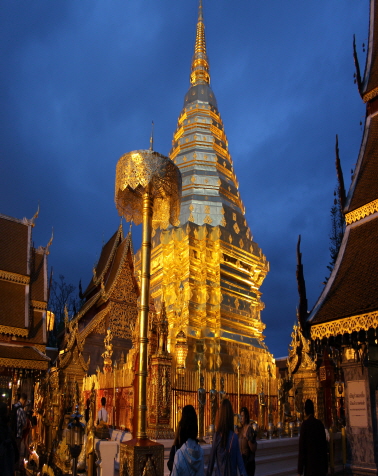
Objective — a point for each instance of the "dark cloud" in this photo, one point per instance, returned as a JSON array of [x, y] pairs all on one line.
[[81, 82]]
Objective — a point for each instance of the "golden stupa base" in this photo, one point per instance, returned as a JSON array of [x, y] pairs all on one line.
[[141, 457]]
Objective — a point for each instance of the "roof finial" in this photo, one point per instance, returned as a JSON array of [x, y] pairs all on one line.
[[152, 137], [200, 63], [47, 249], [302, 307], [340, 177], [357, 74], [35, 216]]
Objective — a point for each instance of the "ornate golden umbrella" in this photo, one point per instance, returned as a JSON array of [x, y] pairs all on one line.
[[147, 191]]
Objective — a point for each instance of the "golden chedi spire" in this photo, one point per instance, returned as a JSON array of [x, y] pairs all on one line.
[[200, 150], [200, 63], [211, 255]]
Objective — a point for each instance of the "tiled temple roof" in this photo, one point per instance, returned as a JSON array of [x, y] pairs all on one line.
[[14, 242], [354, 288], [12, 305], [25, 357], [104, 262], [364, 188], [370, 87]]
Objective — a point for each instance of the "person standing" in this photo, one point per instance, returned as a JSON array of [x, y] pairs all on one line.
[[18, 425], [225, 457], [188, 459], [312, 456], [247, 442], [102, 413]]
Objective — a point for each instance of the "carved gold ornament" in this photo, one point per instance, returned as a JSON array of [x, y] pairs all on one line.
[[16, 278], [39, 305], [345, 326], [25, 364], [362, 212], [370, 95], [18, 331], [140, 169]]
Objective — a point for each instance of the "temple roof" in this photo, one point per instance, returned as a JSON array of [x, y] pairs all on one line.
[[113, 255], [353, 285], [25, 357], [370, 86], [23, 281], [105, 260], [352, 289], [13, 308], [14, 245], [364, 187]]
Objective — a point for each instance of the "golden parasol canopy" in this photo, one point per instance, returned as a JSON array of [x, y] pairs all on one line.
[[140, 170]]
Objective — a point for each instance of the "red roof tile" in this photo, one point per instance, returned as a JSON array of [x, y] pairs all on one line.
[[13, 246], [355, 288], [12, 304], [104, 261], [25, 357], [365, 189], [372, 80]]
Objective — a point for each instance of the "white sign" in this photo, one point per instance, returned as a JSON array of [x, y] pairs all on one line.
[[357, 403]]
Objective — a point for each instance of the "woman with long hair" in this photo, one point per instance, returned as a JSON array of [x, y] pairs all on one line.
[[176, 446], [225, 456], [188, 459], [247, 442]]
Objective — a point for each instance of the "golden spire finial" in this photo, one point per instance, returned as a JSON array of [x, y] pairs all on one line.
[[152, 137], [200, 63]]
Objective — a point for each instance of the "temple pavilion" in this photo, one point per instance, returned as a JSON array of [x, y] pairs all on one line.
[[343, 323]]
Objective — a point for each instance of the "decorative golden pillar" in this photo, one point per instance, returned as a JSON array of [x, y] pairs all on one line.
[[147, 191]]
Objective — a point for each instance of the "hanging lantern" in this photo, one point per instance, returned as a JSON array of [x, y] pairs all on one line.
[[181, 348], [75, 431]]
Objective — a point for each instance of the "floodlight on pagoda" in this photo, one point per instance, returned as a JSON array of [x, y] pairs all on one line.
[[147, 191], [181, 348], [50, 319]]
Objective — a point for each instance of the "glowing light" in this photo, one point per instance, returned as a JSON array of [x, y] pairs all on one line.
[[181, 349]]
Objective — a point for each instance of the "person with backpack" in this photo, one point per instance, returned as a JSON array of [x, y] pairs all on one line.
[[225, 457], [18, 423], [188, 459]]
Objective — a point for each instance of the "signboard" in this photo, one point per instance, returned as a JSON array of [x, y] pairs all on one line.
[[357, 404]]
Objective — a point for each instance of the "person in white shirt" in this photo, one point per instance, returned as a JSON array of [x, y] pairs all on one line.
[[102, 413]]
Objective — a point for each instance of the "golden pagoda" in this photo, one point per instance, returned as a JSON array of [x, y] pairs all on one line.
[[208, 270]]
